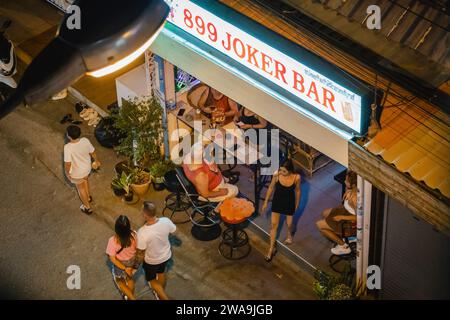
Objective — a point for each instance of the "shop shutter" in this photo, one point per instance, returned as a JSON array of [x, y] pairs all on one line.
[[416, 257]]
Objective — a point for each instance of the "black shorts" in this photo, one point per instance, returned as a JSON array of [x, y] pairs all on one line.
[[152, 269]]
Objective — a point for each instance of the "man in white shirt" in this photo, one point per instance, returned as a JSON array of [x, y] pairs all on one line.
[[78, 155], [153, 248]]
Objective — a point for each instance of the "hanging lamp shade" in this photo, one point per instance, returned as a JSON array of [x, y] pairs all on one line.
[[111, 34]]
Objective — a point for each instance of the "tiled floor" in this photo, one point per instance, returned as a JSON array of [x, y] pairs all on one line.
[[318, 193]]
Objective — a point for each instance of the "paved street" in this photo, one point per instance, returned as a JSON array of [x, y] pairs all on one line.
[[43, 231]]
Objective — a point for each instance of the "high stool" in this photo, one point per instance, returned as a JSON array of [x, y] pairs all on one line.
[[347, 229], [235, 242], [177, 201]]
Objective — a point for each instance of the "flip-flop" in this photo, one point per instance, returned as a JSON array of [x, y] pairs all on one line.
[[66, 118]]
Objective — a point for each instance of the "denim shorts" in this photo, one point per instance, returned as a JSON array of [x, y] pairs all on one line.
[[121, 274]]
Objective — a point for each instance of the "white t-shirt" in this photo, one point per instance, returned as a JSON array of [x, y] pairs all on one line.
[[154, 239], [78, 154]]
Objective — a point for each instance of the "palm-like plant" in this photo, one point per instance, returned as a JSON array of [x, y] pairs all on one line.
[[124, 182]]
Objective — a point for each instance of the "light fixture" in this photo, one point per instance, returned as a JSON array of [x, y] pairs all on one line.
[[112, 34]]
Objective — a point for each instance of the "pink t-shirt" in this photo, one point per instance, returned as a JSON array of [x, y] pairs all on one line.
[[124, 255]]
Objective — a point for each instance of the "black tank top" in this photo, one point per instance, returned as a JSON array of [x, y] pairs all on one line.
[[251, 120]]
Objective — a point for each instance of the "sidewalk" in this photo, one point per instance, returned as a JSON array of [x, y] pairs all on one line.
[[199, 271]]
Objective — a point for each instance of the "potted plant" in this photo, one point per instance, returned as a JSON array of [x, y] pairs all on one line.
[[158, 171], [140, 181], [123, 183], [139, 121]]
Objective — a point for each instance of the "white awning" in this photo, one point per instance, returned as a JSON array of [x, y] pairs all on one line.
[[225, 75]]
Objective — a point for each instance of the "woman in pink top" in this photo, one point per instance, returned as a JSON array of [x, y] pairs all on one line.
[[121, 250]]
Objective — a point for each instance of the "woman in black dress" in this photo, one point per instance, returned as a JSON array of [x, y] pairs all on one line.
[[286, 187]]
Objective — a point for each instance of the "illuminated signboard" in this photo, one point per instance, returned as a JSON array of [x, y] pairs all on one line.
[[304, 82]]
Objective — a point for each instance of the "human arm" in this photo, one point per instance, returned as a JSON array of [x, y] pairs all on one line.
[[139, 258], [298, 191], [269, 192], [340, 218], [201, 185], [67, 166], [121, 266], [93, 154], [233, 109], [238, 115]]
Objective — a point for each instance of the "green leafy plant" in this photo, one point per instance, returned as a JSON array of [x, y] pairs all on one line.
[[328, 287], [160, 168], [124, 182], [139, 120], [139, 176]]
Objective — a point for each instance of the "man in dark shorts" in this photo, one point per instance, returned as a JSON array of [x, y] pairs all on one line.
[[153, 248]]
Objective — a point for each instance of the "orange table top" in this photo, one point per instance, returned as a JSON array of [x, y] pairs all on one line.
[[236, 210]]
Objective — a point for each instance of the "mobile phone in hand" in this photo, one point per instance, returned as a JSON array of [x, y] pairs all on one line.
[[181, 112]]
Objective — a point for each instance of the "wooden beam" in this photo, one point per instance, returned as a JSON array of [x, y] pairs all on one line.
[[400, 187]]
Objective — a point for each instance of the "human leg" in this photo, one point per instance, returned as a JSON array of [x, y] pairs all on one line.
[[289, 220], [161, 277], [326, 212], [155, 285], [328, 232], [275, 220], [126, 288], [81, 186]]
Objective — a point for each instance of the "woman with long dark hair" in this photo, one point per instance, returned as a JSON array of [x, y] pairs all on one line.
[[121, 250], [285, 187]]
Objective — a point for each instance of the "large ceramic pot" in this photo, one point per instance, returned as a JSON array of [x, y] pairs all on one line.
[[141, 189]]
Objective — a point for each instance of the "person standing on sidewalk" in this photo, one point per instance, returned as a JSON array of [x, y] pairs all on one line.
[[153, 248], [285, 186], [78, 155]]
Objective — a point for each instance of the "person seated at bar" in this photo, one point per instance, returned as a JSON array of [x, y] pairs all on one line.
[[247, 119], [213, 100], [333, 217], [206, 176]]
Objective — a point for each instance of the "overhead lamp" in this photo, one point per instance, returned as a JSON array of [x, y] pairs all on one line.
[[112, 34]]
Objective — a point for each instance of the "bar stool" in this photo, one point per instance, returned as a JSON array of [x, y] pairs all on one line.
[[338, 262], [177, 201], [235, 242]]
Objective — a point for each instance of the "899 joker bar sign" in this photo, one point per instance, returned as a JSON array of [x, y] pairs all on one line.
[[307, 84]]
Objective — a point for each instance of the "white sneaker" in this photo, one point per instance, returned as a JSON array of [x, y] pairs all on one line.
[[341, 250], [85, 111], [94, 122], [89, 114]]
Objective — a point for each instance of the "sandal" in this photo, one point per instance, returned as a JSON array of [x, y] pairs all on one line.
[[288, 241], [270, 256], [66, 118], [88, 211]]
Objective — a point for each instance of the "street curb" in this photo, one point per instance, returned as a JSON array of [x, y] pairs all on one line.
[[26, 59], [287, 252]]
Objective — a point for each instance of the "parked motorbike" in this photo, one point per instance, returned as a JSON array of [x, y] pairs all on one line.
[[8, 63]]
